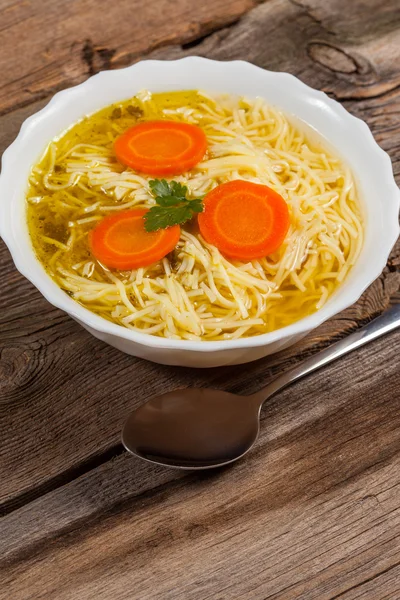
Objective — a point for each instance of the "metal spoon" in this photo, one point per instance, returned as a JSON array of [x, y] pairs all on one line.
[[203, 428]]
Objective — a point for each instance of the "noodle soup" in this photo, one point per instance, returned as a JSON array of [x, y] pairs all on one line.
[[196, 291]]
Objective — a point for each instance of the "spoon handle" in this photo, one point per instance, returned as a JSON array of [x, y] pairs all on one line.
[[388, 321]]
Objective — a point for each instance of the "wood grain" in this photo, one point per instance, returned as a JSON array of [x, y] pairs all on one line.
[[45, 352], [52, 45], [304, 516], [313, 513]]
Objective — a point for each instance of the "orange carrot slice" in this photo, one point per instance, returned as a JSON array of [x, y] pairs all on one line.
[[120, 241], [161, 147], [244, 220]]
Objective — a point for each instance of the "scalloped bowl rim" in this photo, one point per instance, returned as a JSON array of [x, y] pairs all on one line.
[[348, 292]]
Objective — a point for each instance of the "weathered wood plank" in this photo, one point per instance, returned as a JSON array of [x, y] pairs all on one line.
[[11, 123], [48, 45], [74, 419], [385, 586], [312, 512], [328, 45]]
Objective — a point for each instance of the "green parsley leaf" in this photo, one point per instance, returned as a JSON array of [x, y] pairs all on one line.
[[159, 187], [197, 205], [178, 190], [172, 205]]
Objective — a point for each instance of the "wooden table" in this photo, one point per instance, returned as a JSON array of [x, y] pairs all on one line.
[[314, 511]]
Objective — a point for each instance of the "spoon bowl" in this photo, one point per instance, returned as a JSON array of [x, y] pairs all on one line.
[[193, 428]]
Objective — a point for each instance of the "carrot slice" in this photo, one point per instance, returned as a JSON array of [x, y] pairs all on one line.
[[120, 241], [244, 220], [161, 147]]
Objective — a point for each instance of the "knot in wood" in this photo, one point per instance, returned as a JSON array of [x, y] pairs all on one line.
[[18, 367], [332, 58]]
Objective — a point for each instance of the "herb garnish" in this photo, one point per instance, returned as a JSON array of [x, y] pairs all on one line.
[[173, 207], [116, 113], [135, 111]]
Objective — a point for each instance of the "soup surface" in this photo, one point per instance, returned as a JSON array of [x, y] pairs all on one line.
[[196, 292]]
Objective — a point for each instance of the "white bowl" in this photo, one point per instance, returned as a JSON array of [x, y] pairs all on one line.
[[348, 135]]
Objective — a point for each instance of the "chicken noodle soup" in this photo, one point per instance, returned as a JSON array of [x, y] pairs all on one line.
[[196, 292]]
